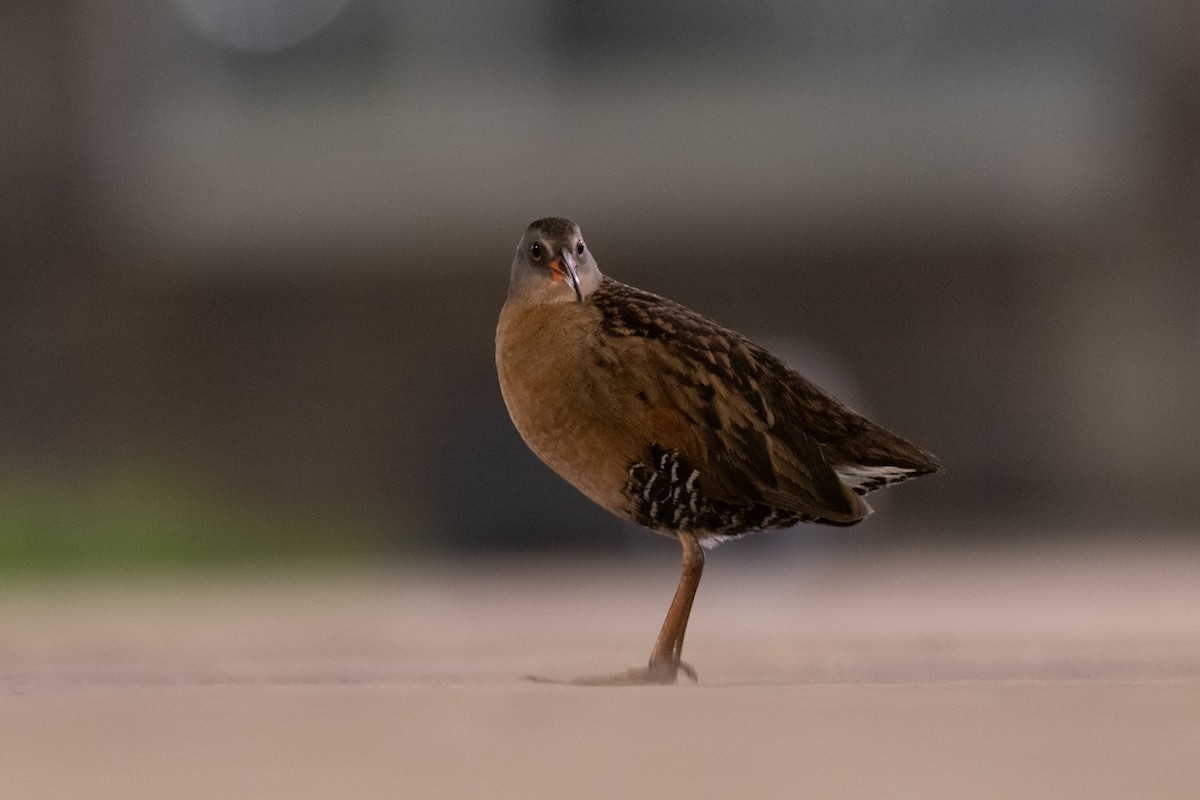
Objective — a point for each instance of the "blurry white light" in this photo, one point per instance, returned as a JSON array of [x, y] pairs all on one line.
[[258, 26]]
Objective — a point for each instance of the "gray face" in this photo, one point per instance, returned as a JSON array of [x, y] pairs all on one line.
[[553, 264]]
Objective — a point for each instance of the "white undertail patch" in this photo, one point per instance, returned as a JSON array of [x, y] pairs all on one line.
[[709, 542], [862, 479]]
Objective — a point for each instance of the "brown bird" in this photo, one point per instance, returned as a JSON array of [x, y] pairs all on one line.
[[664, 417]]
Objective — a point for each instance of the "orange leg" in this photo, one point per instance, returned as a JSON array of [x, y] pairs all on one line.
[[665, 658], [665, 663]]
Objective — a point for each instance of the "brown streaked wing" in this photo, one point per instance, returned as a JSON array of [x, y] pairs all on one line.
[[720, 387]]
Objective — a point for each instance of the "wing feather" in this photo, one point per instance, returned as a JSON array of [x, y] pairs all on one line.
[[724, 402]]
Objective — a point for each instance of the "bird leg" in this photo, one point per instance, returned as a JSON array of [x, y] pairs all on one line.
[[665, 662]]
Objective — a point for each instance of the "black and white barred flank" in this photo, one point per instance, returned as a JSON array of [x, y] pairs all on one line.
[[667, 497]]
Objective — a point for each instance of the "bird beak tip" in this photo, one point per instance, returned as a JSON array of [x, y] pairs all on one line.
[[571, 273]]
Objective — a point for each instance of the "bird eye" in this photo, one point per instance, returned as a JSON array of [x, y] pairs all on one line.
[[535, 250], [579, 247]]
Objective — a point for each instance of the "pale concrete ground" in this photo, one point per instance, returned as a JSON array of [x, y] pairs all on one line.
[[1072, 672]]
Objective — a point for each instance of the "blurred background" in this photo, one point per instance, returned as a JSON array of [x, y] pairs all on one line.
[[252, 253]]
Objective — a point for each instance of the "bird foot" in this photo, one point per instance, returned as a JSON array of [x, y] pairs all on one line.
[[652, 675]]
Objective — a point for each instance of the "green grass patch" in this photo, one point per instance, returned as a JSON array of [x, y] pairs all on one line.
[[148, 518]]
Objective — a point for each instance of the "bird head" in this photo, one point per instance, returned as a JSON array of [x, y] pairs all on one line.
[[552, 264]]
